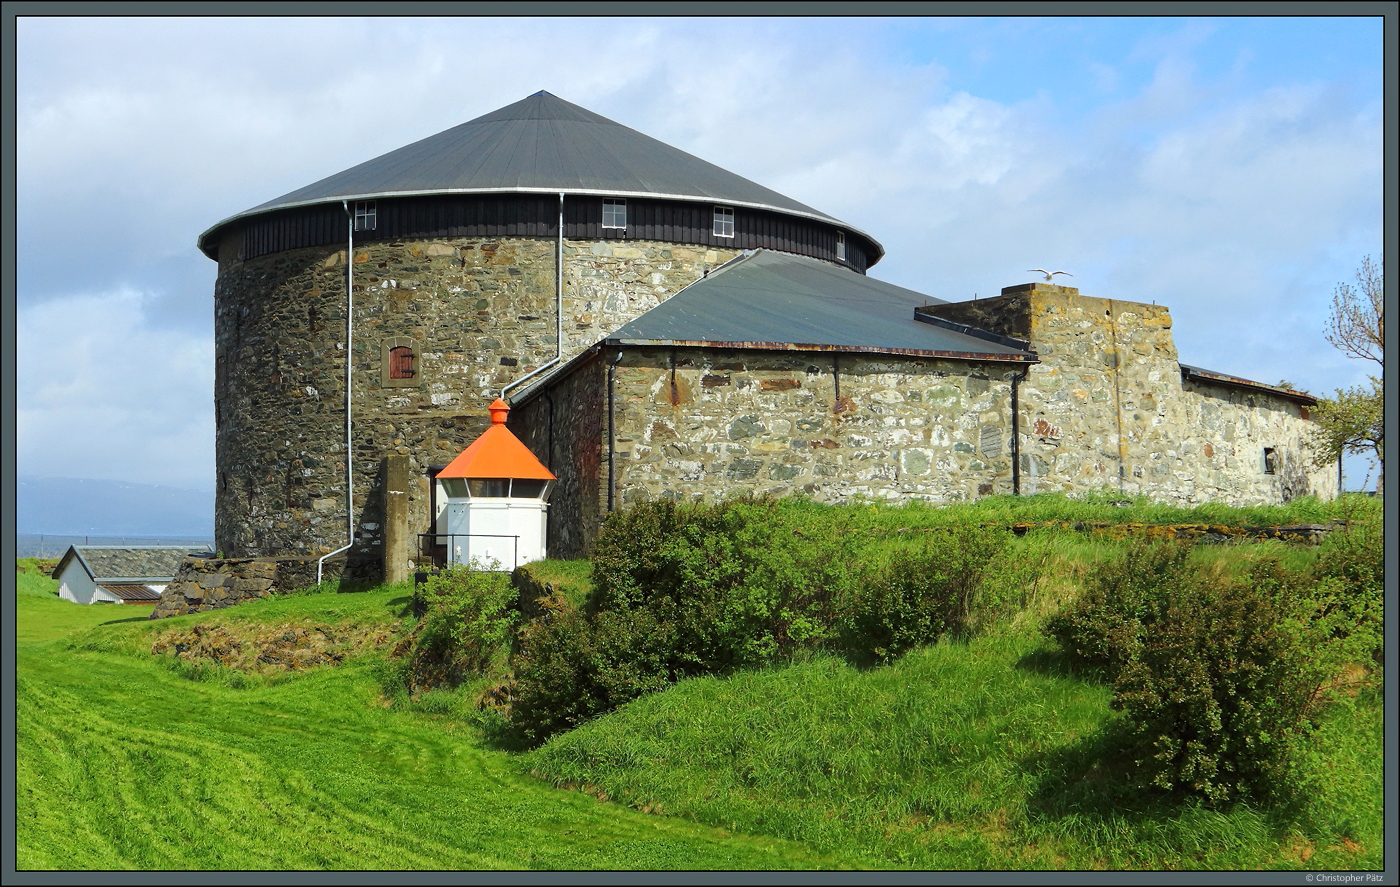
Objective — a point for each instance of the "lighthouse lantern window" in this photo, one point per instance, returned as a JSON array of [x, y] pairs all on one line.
[[455, 487], [527, 489], [489, 488]]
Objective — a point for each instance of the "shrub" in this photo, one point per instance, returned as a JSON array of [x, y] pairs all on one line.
[[1102, 629], [1225, 682], [680, 591], [922, 593], [1351, 569], [470, 617], [1220, 680], [571, 667], [742, 581]]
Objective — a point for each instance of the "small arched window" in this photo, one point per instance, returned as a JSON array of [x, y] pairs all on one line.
[[401, 362]]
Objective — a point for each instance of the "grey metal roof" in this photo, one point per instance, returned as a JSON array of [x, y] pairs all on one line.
[[540, 144], [1204, 375], [767, 299], [129, 563]]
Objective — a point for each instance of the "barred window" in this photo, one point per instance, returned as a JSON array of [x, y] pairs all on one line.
[[614, 213], [724, 221]]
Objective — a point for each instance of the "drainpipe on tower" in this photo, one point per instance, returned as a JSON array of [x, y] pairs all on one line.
[[1016, 381], [558, 307], [612, 434], [349, 368]]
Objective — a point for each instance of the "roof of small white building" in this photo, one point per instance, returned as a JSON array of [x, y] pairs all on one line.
[[131, 564]]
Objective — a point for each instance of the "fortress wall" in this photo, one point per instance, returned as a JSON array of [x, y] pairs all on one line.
[[478, 314]]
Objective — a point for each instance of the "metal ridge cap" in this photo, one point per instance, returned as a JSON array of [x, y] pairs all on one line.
[[133, 580], [815, 216], [1240, 382], [528, 393], [1025, 357], [968, 329]]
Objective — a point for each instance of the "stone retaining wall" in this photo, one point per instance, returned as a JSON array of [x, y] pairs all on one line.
[[214, 583]]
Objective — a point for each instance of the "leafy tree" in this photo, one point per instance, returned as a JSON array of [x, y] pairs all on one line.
[[1354, 420]]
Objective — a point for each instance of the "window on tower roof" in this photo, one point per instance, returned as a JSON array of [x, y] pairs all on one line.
[[724, 221], [365, 215], [841, 246], [614, 213]]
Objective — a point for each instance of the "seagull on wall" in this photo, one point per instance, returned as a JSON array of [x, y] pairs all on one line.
[[1050, 275]]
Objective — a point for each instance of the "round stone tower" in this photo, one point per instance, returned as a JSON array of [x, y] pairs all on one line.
[[480, 255]]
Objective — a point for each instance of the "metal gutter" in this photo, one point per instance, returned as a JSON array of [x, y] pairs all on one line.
[[1026, 358], [581, 192]]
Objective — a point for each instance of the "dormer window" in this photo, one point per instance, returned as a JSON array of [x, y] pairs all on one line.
[[840, 246], [614, 213], [724, 221], [365, 215]]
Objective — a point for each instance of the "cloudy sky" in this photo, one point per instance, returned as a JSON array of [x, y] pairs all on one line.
[[1228, 168]]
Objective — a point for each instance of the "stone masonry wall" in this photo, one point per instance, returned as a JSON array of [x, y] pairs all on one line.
[[478, 314], [1106, 407], [727, 422], [214, 583], [566, 427]]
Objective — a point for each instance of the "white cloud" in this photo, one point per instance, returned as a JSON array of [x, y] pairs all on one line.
[[103, 395], [1240, 210]]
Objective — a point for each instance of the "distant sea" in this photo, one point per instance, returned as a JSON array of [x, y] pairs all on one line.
[[31, 545]]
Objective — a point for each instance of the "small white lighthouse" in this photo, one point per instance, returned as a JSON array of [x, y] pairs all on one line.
[[497, 500]]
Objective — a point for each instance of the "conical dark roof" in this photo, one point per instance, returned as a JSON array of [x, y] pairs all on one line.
[[541, 144]]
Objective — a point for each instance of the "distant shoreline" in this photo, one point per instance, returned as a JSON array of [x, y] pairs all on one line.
[[55, 544]]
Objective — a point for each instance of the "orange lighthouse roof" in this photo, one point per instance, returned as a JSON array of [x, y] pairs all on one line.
[[497, 454]]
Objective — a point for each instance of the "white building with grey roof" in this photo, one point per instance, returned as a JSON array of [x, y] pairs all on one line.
[[118, 574]]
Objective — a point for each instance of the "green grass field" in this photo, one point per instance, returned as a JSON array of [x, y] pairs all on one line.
[[126, 763], [984, 754]]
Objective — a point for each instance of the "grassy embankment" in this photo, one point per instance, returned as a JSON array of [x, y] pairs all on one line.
[[127, 760], [984, 754]]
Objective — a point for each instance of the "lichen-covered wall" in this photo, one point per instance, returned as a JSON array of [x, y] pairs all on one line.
[[478, 314], [1106, 407], [704, 423], [565, 426]]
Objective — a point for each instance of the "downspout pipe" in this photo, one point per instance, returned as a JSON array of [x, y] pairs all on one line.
[[612, 433], [349, 369], [558, 307], [1016, 381]]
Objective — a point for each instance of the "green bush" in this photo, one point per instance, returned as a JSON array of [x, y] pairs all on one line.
[[921, 594], [1220, 680], [1354, 561], [742, 581], [471, 616], [571, 668], [687, 590], [1102, 629], [1226, 681]]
